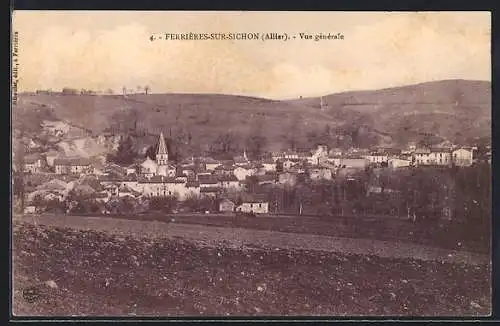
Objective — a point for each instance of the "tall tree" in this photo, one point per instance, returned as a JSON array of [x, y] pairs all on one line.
[[125, 154]]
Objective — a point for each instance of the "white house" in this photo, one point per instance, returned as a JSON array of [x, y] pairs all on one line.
[[131, 169], [377, 158], [30, 210], [73, 166], [425, 156], [256, 207], [319, 156], [33, 164], [242, 172], [160, 186], [397, 163], [211, 164], [291, 155], [226, 206], [463, 156], [269, 165]]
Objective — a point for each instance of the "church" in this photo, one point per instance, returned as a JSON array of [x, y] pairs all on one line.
[[161, 166]]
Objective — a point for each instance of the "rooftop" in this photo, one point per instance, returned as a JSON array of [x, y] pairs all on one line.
[[72, 161]]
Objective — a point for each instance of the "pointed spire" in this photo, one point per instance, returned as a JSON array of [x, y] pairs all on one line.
[[245, 154], [162, 148]]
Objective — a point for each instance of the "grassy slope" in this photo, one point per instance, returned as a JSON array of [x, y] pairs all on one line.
[[205, 116], [442, 108]]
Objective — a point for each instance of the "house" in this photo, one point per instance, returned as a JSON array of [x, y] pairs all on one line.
[[50, 157], [224, 170], [353, 163], [181, 177], [98, 168], [269, 178], [161, 186], [228, 182], [73, 166], [226, 206], [188, 163], [241, 160], [291, 155], [275, 156], [397, 163], [319, 156], [203, 173], [115, 169], [377, 158], [435, 156], [132, 181], [289, 163], [131, 169], [209, 191], [287, 178], [422, 156], [207, 181], [30, 210], [335, 152], [124, 191], [320, 173], [463, 156], [269, 165], [33, 144], [210, 163], [242, 172], [188, 171], [254, 206], [101, 197], [441, 156], [33, 164]]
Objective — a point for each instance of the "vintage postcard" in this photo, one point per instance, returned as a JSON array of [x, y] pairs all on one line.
[[251, 164]]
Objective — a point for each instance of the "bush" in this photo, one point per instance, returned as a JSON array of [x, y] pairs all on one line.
[[163, 204]]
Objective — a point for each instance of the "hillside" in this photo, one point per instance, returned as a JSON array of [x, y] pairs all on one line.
[[204, 117], [451, 109], [457, 110]]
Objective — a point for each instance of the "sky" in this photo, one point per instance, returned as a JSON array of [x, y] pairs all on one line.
[[103, 50]]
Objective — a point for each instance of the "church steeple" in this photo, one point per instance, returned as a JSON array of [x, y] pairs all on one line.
[[162, 154]]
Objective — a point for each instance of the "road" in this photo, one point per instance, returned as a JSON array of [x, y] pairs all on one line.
[[239, 237]]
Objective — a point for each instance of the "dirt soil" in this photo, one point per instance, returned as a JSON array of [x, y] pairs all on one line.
[[80, 271]]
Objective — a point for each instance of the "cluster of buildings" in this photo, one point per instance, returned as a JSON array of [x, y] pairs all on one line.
[[207, 177]]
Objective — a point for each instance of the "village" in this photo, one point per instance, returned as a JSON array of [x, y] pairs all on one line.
[[238, 185]]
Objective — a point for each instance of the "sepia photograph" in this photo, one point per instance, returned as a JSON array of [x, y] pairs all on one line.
[[251, 163]]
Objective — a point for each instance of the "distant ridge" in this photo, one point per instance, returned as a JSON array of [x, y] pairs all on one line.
[[457, 110]]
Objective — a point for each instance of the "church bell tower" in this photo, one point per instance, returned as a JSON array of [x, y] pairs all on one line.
[[162, 154]]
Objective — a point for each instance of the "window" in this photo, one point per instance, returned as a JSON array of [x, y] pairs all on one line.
[[260, 205]]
